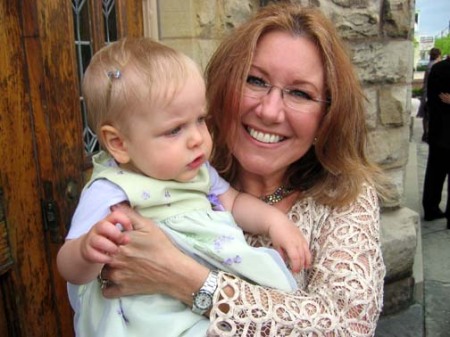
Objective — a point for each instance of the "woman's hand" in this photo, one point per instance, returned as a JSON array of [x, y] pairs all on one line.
[[151, 264]]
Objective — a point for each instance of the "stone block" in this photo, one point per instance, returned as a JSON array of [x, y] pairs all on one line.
[[371, 107], [397, 188], [354, 19], [397, 18], [383, 62], [237, 12], [352, 3], [389, 147], [393, 109], [399, 242], [176, 24], [203, 50], [357, 25], [398, 295]]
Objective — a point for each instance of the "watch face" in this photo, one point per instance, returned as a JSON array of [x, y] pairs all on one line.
[[203, 300]]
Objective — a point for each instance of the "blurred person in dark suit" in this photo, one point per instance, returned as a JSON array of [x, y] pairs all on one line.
[[435, 56], [438, 165]]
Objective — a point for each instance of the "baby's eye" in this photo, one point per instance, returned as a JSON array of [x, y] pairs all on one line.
[[201, 120], [174, 131], [256, 81], [298, 94]]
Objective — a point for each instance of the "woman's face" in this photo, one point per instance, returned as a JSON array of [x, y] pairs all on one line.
[[273, 135]]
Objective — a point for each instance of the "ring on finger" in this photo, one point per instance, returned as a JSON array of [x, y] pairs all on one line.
[[104, 282]]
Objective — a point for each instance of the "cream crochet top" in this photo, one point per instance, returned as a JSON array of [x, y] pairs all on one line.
[[340, 295]]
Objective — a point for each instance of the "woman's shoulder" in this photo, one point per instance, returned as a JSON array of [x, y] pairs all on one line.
[[362, 214], [367, 198]]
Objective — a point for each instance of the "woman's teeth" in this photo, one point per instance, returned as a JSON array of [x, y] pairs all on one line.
[[264, 137]]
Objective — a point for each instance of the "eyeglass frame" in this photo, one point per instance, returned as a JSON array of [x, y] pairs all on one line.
[[268, 87]]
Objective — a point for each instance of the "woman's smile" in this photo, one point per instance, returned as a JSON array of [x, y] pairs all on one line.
[[264, 137]]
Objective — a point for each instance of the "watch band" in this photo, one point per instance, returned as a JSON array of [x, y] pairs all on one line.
[[203, 299]]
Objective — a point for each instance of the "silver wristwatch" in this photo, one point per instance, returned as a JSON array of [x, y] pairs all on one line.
[[203, 299]]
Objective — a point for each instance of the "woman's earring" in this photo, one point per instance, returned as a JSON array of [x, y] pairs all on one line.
[[314, 140]]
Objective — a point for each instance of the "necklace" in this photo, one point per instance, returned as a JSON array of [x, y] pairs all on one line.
[[279, 194]]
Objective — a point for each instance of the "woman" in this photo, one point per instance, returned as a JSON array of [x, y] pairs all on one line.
[[287, 117]]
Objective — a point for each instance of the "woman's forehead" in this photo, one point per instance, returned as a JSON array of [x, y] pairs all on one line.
[[285, 56]]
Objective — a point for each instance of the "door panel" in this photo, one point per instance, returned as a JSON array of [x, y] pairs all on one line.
[[57, 123], [27, 121], [43, 158]]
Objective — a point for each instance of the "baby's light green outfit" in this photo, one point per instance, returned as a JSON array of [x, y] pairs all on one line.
[[184, 212]]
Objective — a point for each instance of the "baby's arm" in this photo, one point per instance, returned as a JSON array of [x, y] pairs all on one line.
[[256, 217], [80, 260]]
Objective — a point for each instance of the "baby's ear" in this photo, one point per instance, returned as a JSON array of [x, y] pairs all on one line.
[[114, 143]]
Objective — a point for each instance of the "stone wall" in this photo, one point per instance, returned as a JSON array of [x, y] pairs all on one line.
[[379, 35]]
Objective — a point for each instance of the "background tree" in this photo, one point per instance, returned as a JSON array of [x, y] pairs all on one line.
[[443, 43]]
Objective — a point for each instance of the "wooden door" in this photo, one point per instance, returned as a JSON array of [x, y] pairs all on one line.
[[43, 152]]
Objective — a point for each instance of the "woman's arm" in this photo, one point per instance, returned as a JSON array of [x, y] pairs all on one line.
[[342, 294]]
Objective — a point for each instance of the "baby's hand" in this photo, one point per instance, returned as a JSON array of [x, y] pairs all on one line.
[[103, 240], [289, 241]]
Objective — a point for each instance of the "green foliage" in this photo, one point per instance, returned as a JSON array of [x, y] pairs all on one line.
[[417, 92], [422, 67], [443, 43]]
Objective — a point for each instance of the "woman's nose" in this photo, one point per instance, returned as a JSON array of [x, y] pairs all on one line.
[[272, 109]]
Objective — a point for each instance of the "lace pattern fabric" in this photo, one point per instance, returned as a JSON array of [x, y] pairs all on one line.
[[340, 295]]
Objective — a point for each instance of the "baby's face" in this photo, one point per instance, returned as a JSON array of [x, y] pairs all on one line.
[[171, 142]]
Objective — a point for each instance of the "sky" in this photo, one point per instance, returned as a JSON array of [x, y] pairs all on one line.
[[434, 16]]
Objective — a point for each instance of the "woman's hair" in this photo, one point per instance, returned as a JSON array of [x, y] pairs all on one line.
[[335, 168], [128, 71]]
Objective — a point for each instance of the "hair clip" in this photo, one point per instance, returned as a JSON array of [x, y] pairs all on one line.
[[114, 74]]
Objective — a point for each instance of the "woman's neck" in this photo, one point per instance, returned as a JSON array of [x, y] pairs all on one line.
[[260, 186], [257, 185], [286, 204]]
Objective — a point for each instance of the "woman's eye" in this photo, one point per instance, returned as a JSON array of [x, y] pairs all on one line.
[[256, 81], [298, 94]]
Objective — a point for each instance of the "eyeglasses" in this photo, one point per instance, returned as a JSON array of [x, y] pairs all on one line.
[[295, 99]]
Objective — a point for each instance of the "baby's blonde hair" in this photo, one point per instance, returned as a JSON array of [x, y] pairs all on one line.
[[128, 71]]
